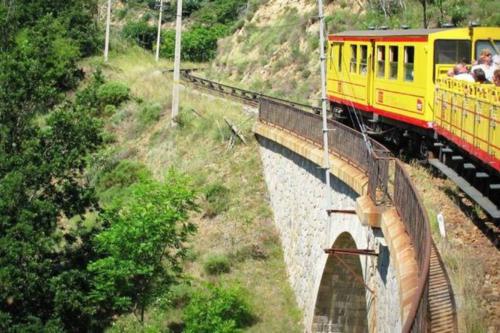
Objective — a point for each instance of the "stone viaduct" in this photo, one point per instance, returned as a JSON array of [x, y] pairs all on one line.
[[339, 292]]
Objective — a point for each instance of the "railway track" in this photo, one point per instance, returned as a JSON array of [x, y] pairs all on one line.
[[442, 308], [478, 185], [249, 97]]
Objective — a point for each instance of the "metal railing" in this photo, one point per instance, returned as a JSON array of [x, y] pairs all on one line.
[[343, 141], [349, 145]]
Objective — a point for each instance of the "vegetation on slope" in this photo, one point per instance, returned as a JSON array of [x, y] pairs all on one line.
[[235, 254], [206, 22], [89, 233]]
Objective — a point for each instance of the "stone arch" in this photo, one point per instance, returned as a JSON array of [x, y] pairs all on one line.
[[341, 301]]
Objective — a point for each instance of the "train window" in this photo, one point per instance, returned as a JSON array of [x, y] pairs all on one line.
[[354, 54], [380, 61], [393, 62], [452, 51], [364, 59], [409, 61], [341, 47]]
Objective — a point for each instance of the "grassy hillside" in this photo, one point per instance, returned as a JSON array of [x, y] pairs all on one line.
[[236, 244]]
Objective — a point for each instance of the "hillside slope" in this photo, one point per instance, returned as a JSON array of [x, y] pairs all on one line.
[[276, 49]]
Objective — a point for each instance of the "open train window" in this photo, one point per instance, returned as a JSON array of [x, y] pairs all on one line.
[[354, 54], [393, 62], [363, 66], [452, 51], [409, 63], [381, 61], [486, 44]]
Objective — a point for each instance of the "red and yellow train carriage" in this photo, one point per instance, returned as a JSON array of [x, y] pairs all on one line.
[[397, 80]]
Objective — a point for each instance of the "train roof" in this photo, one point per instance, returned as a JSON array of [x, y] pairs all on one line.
[[379, 33]]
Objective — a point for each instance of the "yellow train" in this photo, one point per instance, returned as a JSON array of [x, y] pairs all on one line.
[[396, 80]]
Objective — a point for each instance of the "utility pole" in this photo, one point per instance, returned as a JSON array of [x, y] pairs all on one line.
[[106, 43], [159, 32], [177, 63], [326, 154]]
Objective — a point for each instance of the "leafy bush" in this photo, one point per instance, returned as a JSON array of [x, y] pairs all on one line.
[[217, 309], [141, 32], [180, 294], [217, 264], [109, 110], [87, 97], [219, 11], [217, 199], [124, 174], [184, 119], [149, 114], [198, 44], [113, 93]]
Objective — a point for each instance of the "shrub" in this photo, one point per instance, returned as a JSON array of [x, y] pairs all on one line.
[[184, 119], [180, 294], [87, 97], [219, 11], [217, 309], [121, 13], [124, 174], [217, 199], [141, 32], [109, 110], [198, 44], [217, 264], [113, 93], [150, 113]]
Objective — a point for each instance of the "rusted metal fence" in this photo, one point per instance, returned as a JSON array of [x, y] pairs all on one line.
[[375, 161], [343, 141], [414, 216]]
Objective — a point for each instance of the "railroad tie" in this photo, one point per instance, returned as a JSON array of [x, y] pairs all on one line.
[[441, 304]]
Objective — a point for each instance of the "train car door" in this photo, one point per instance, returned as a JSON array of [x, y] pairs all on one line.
[[357, 73]]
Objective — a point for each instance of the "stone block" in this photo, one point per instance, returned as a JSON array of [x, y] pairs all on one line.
[[368, 212]]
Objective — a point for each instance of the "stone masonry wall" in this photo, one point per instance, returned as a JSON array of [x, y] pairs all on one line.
[[297, 197]]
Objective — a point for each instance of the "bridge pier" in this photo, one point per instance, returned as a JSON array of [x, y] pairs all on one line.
[[329, 296]]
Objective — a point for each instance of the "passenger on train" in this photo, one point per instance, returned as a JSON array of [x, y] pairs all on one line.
[[460, 72], [496, 77], [479, 75], [486, 63], [496, 61]]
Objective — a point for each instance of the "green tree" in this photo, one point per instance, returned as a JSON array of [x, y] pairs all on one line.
[[143, 247], [43, 150]]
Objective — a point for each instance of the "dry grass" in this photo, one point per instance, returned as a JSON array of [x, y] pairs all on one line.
[[199, 147]]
